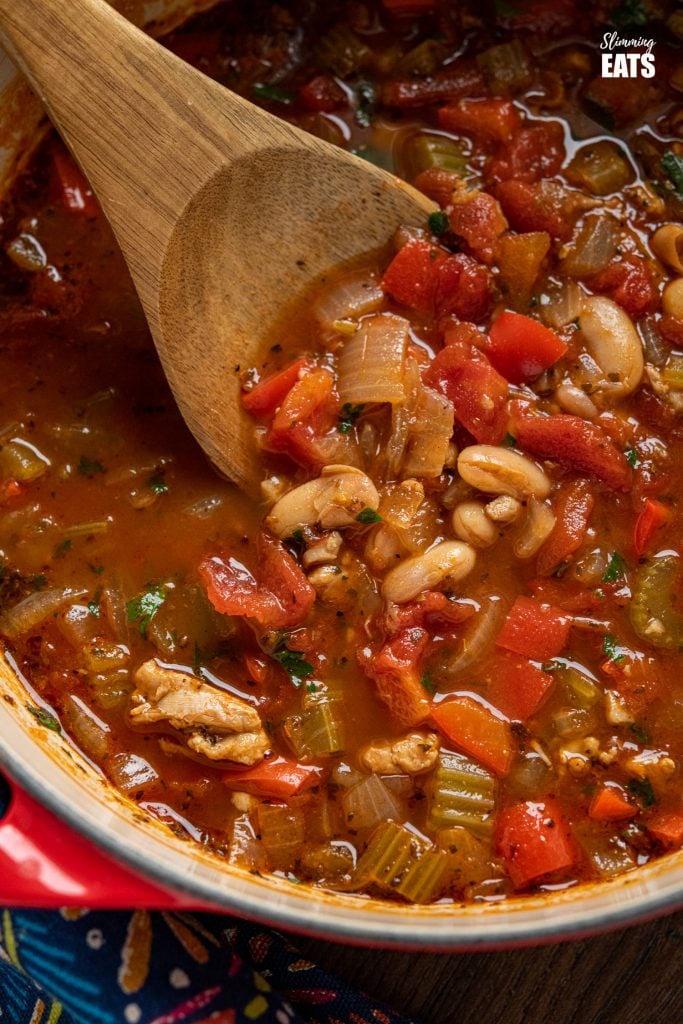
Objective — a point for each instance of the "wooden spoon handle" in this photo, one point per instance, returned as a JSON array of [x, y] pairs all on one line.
[[121, 102]]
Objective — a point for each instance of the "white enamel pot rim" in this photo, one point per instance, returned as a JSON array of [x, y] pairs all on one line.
[[50, 770]]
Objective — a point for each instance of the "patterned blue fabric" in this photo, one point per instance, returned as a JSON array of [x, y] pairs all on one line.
[[136, 967]]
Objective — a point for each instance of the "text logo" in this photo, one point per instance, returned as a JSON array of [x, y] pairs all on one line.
[[627, 58]]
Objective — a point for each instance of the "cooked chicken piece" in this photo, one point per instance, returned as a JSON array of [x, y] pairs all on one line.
[[213, 723], [416, 752]]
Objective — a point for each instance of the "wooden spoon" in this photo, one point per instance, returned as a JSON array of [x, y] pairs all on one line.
[[223, 212]]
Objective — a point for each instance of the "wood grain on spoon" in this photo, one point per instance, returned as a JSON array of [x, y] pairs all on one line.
[[223, 212]]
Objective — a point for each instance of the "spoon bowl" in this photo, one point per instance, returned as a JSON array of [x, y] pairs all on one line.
[[223, 212]]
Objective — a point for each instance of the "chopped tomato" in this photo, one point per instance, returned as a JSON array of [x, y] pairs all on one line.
[[438, 184], [572, 507], [534, 840], [74, 190], [653, 516], [395, 671], [575, 443], [537, 206], [476, 731], [637, 678], [306, 414], [12, 489], [275, 778], [429, 280], [611, 804], [515, 686], [323, 94], [277, 596], [433, 607], [667, 827], [565, 594], [521, 348], [479, 394], [485, 120], [537, 151], [476, 218], [268, 394], [629, 282], [534, 630]]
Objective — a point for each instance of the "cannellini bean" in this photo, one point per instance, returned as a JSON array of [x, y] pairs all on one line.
[[614, 343], [575, 401], [667, 244], [502, 471], [471, 524], [504, 509], [333, 500], [672, 298], [450, 560], [535, 530]]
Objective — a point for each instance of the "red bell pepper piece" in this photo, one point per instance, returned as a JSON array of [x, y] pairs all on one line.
[[275, 779], [653, 516], [395, 671], [574, 442], [427, 279], [572, 506], [479, 394], [611, 804], [307, 413], [277, 596], [486, 120], [476, 731], [515, 686], [667, 827], [534, 840], [74, 191], [264, 399], [534, 630], [438, 184], [521, 348]]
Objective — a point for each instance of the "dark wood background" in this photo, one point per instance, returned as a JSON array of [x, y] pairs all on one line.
[[629, 977]]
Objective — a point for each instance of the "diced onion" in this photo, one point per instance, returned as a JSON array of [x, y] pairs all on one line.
[[372, 363], [369, 802], [655, 349], [593, 247], [427, 447], [354, 296], [34, 609], [564, 306], [475, 642]]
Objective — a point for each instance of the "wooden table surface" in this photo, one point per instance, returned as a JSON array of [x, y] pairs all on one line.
[[633, 976]]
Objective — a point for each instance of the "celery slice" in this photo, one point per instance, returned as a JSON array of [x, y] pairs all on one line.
[[462, 793], [282, 831], [426, 151], [672, 374], [342, 52], [581, 691], [398, 861], [319, 730]]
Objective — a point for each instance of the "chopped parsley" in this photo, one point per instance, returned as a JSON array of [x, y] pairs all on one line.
[[672, 165], [311, 687], [365, 105], [438, 222], [44, 717], [94, 605], [611, 648], [348, 416], [642, 790], [616, 568], [509, 441], [631, 457], [157, 484], [293, 662], [428, 684], [88, 467], [142, 609], [62, 548], [640, 733], [274, 93], [367, 516]]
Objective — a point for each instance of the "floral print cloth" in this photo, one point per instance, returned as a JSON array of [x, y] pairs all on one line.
[[140, 967]]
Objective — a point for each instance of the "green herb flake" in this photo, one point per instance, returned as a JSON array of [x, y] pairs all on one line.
[[348, 416], [631, 457], [44, 717], [365, 104], [642, 790], [94, 605], [292, 661], [672, 165], [616, 568], [428, 684], [89, 467], [311, 687], [611, 649], [640, 733], [142, 609], [39, 582], [274, 93], [62, 548], [157, 484], [438, 222], [509, 441], [367, 516]]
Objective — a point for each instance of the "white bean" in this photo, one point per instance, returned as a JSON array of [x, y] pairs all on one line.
[[575, 401], [614, 343], [503, 509], [497, 470], [667, 244], [672, 298], [450, 560], [333, 500], [535, 530], [471, 524]]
